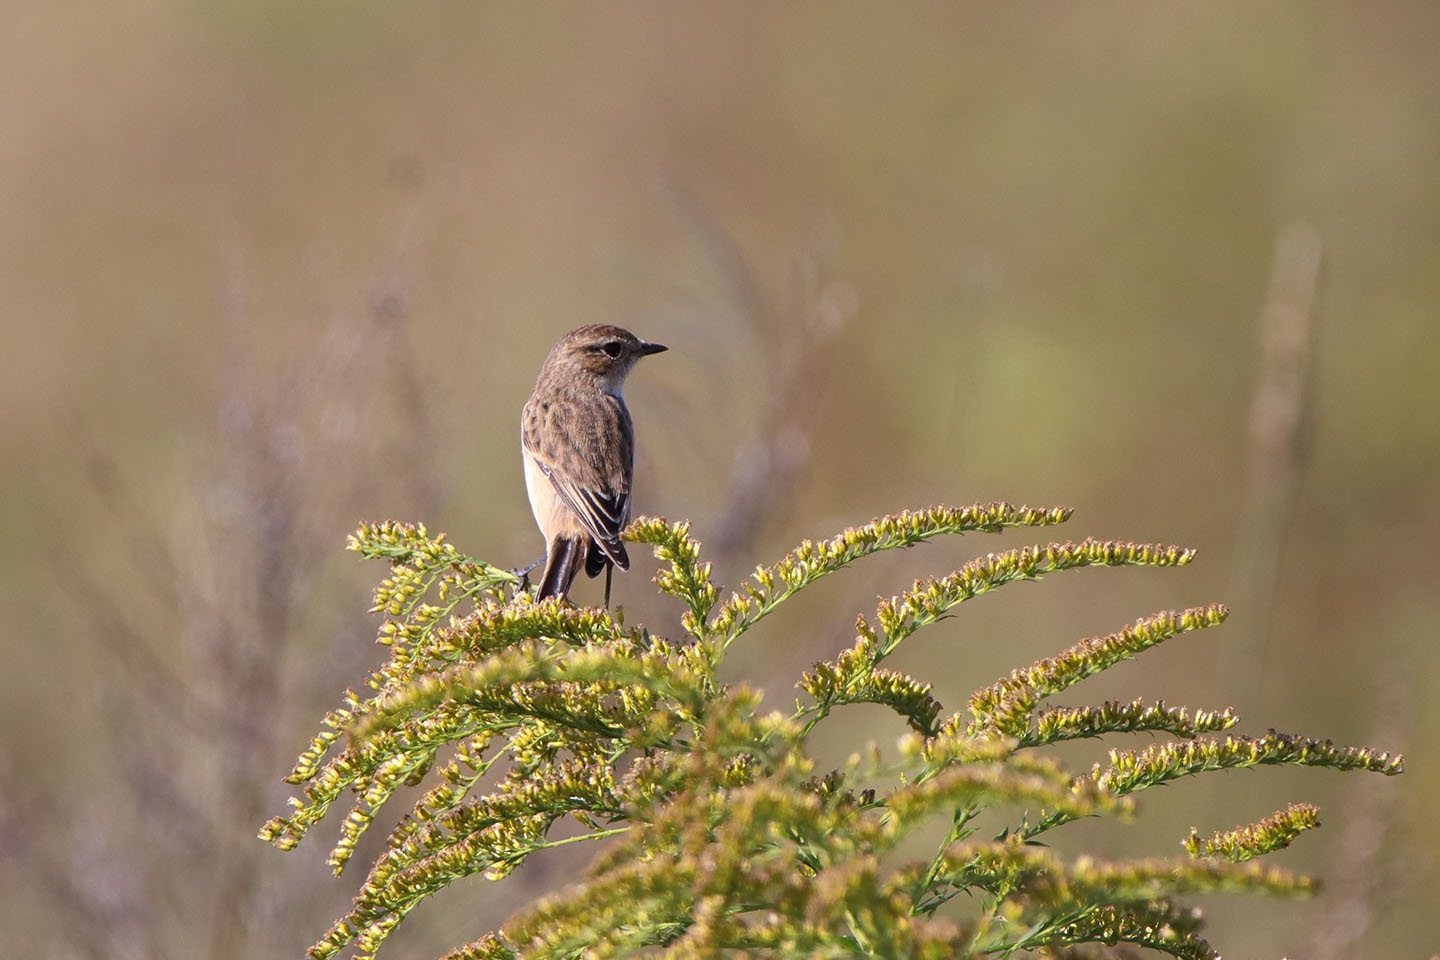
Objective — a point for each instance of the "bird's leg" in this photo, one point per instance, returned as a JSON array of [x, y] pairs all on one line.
[[609, 567]]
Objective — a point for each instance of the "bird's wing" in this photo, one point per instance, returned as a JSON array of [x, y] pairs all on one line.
[[594, 479], [603, 514]]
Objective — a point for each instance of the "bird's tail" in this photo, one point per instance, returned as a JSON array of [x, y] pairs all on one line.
[[564, 561]]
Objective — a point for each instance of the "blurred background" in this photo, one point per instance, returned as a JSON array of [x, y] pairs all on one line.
[[273, 269]]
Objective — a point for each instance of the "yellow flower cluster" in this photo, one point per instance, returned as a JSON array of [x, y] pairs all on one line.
[[716, 832]]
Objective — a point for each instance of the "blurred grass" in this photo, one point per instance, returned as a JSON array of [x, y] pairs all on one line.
[[1056, 231]]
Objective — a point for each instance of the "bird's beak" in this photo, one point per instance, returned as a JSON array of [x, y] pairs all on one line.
[[648, 348]]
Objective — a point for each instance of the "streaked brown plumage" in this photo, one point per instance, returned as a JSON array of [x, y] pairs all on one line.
[[578, 445]]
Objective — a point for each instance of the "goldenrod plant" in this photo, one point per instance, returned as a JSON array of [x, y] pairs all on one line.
[[715, 831]]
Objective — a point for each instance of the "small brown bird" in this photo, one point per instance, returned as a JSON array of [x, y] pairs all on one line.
[[579, 448]]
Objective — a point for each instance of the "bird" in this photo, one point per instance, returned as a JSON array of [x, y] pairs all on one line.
[[578, 445]]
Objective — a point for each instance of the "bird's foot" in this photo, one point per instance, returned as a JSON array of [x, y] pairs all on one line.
[[524, 572]]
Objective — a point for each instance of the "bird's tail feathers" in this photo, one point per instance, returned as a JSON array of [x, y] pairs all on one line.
[[564, 561], [595, 560]]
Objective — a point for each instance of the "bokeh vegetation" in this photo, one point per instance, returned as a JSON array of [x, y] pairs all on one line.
[[272, 269]]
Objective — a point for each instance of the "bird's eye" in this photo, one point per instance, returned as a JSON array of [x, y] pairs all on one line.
[[613, 349]]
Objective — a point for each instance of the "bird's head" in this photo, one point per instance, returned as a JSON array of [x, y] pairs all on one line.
[[604, 352]]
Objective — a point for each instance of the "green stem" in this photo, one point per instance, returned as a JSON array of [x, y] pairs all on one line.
[[598, 835]]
